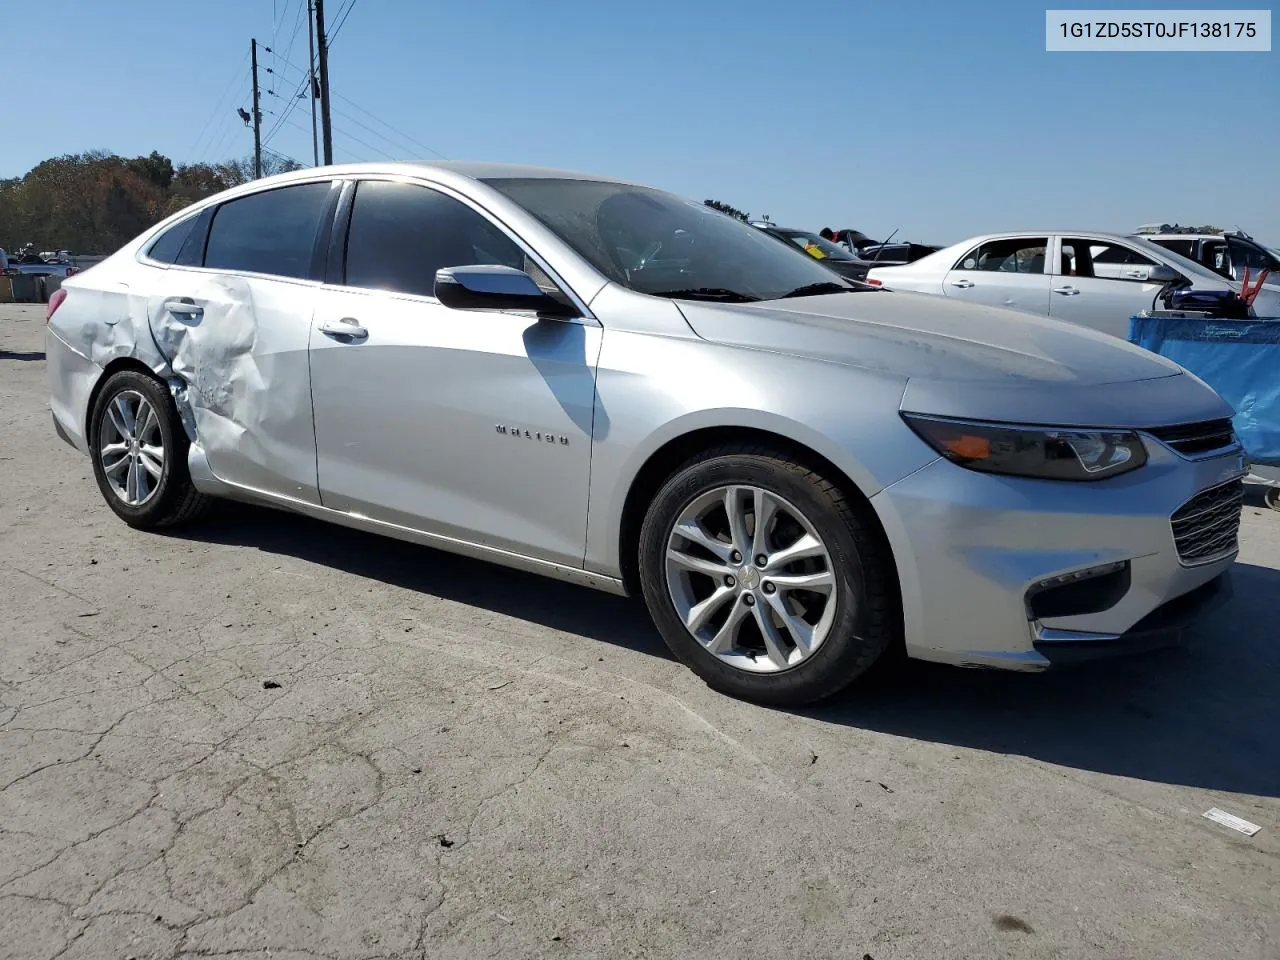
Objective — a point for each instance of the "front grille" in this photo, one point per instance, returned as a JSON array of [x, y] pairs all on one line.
[[1190, 439], [1207, 527]]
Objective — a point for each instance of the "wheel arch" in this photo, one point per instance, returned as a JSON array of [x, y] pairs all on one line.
[[665, 460], [111, 369]]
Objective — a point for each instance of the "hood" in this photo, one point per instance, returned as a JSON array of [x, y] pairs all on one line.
[[964, 360], [919, 336]]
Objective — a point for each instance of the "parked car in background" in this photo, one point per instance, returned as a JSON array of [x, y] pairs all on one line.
[[833, 256], [1097, 280], [35, 265], [604, 383], [1226, 254], [896, 254]]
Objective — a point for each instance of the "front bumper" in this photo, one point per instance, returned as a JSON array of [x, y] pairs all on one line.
[[971, 548]]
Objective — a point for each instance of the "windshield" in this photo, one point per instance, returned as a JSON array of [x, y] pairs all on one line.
[[656, 243], [811, 242]]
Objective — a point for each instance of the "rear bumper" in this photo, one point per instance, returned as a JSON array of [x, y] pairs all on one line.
[[72, 378]]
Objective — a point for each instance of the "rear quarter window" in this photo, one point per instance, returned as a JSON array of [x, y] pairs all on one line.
[[166, 247]]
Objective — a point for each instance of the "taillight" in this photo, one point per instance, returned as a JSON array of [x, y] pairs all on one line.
[[874, 282], [55, 302]]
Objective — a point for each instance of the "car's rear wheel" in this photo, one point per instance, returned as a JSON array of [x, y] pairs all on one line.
[[765, 578], [139, 453]]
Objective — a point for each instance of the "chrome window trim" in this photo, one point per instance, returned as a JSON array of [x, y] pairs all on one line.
[[196, 209]]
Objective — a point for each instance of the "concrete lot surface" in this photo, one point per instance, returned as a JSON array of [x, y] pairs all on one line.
[[267, 737]]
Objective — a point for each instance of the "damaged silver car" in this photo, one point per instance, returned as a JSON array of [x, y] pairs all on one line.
[[605, 383]]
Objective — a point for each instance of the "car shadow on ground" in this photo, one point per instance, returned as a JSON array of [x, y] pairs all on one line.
[[1205, 714], [525, 596]]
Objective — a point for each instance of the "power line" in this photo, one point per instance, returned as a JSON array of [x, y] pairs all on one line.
[[228, 130], [351, 136], [218, 107], [297, 27], [400, 133], [341, 18]]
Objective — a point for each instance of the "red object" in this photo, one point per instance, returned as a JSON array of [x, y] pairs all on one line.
[[874, 283], [1249, 295], [55, 302]]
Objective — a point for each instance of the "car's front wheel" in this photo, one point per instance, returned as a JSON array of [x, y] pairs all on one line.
[[139, 453], [765, 578]]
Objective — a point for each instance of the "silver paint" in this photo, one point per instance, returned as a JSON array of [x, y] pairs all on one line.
[[400, 432]]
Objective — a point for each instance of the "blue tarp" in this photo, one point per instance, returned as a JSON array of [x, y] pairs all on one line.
[[1238, 358]]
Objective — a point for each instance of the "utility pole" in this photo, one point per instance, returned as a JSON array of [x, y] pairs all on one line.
[[322, 49], [313, 91], [257, 114]]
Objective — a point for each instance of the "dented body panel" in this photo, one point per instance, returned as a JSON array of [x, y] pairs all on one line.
[[239, 346], [520, 440]]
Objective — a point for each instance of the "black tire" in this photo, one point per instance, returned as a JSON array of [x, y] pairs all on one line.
[[175, 499], [867, 617]]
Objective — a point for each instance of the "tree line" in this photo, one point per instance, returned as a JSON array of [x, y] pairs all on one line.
[[93, 203]]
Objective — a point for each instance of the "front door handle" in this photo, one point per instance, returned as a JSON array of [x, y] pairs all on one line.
[[346, 328], [1066, 291], [962, 284], [184, 306]]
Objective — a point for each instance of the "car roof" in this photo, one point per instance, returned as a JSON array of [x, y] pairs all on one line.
[[472, 170]]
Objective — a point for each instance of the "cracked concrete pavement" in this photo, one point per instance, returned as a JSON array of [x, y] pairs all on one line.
[[266, 737]]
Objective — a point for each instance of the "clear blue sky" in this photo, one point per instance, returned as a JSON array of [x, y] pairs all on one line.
[[944, 118]]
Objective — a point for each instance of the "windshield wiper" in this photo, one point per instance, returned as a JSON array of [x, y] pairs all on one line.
[[722, 294], [816, 289]]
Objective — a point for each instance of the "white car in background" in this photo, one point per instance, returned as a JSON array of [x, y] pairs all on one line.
[[1097, 280]]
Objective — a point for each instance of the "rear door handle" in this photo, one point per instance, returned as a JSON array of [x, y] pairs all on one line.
[[184, 306], [1066, 291], [346, 327], [962, 284]]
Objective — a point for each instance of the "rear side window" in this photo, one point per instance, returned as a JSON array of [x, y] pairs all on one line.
[[166, 247], [1184, 247], [1011, 255], [271, 232], [402, 233]]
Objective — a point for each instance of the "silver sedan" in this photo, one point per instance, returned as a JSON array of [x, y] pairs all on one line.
[[608, 384]]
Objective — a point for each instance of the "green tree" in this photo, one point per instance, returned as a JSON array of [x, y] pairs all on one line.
[[157, 168], [729, 209]]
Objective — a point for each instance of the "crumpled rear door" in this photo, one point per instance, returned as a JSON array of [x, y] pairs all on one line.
[[238, 347]]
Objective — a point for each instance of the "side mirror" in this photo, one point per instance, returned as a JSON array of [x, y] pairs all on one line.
[[1156, 273], [491, 287]]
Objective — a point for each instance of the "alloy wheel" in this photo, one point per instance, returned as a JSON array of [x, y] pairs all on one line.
[[751, 578], [131, 447]]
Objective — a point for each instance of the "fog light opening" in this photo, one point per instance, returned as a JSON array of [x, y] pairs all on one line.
[[1079, 592]]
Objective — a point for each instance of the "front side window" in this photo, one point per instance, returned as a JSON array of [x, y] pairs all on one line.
[[1103, 259], [1246, 254], [271, 232], [656, 243], [1009, 255], [402, 233]]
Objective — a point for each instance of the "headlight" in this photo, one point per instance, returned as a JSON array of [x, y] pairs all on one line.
[[1048, 453]]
